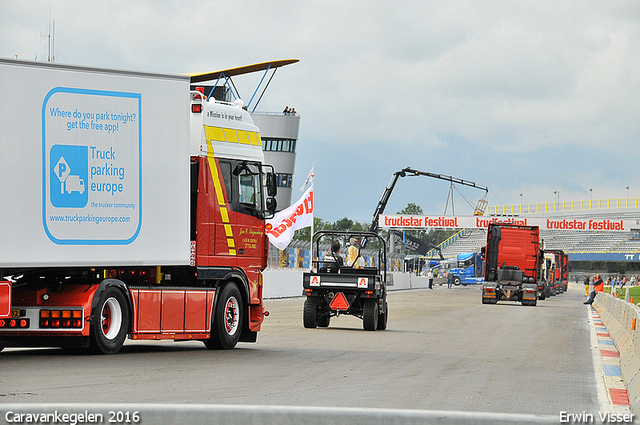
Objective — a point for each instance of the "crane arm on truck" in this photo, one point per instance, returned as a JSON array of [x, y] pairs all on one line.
[[408, 171]]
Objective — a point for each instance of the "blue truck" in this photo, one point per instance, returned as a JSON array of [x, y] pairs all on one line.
[[469, 269]]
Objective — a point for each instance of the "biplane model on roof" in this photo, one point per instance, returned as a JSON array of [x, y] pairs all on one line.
[[247, 69]]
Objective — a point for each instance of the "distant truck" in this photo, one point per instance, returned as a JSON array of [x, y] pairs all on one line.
[[160, 233], [512, 258], [469, 269], [561, 271]]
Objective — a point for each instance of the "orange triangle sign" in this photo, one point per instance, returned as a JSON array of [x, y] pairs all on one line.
[[339, 302]]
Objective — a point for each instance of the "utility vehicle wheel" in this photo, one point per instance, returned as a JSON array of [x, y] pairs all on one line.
[[382, 317], [110, 322], [323, 321], [370, 315], [456, 280], [228, 319], [309, 318]]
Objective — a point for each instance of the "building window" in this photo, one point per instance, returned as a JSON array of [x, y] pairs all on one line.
[[284, 180], [279, 145]]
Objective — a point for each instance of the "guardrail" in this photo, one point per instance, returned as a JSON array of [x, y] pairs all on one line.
[[622, 320], [253, 415]]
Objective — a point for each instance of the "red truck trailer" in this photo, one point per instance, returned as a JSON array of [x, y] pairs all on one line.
[[133, 207], [561, 276]]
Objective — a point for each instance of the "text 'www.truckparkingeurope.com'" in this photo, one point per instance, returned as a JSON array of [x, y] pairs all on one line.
[[89, 218]]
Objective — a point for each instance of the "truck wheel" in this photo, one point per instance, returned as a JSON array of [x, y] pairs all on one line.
[[227, 320], [309, 318], [110, 322], [323, 321], [382, 317], [370, 315], [456, 280]]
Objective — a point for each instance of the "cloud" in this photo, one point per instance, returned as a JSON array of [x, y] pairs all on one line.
[[522, 97]]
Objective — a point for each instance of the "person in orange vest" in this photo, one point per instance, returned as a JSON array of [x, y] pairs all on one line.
[[598, 286]]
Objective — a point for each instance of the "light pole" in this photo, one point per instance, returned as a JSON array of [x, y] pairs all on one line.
[[591, 192], [521, 203], [627, 192]]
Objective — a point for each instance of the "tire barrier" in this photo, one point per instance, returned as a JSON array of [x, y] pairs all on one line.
[[250, 415], [622, 320]]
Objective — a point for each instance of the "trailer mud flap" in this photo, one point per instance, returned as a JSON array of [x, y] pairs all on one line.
[[489, 293], [5, 300]]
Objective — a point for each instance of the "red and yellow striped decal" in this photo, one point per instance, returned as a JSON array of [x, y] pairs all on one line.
[[224, 212]]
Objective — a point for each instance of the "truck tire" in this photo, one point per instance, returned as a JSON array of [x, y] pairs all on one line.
[[110, 322], [228, 319], [456, 280], [309, 314], [370, 315], [382, 317], [323, 321]]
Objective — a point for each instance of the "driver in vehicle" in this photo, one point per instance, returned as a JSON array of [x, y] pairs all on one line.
[[333, 257]]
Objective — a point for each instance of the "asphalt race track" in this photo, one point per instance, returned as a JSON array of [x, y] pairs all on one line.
[[443, 350]]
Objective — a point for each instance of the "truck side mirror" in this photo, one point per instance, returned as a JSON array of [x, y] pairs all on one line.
[[272, 187], [272, 205]]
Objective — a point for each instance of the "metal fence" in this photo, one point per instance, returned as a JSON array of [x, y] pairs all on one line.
[[297, 255], [548, 207]]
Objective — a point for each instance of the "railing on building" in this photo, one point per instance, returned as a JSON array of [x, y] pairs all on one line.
[[595, 204], [432, 253]]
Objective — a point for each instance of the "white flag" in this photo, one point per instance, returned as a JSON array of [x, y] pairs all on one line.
[[281, 227], [309, 179]]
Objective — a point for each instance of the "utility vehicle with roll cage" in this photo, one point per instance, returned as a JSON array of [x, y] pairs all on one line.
[[335, 287]]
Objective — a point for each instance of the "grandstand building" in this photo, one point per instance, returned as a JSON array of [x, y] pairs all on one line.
[[610, 247]]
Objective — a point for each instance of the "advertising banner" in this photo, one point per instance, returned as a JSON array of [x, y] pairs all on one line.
[[281, 227], [92, 165], [482, 222]]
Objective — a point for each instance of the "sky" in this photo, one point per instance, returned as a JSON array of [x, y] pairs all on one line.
[[538, 101]]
